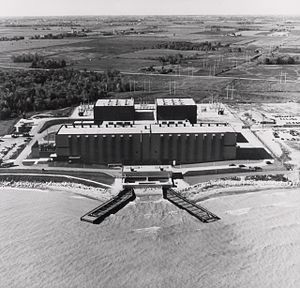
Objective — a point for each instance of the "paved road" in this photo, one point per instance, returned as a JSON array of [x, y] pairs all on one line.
[[203, 77], [27, 150], [45, 168], [204, 178], [117, 173]]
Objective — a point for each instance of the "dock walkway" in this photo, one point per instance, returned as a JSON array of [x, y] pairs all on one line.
[[194, 209], [109, 207]]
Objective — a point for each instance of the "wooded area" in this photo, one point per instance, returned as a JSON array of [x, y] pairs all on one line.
[[24, 91]]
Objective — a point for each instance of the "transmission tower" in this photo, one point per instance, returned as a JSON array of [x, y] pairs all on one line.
[[172, 87], [231, 89]]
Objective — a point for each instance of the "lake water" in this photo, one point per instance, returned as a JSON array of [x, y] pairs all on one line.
[[149, 243]]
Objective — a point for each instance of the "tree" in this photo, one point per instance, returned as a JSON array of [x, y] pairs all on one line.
[[4, 112]]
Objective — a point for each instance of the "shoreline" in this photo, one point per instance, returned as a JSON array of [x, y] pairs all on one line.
[[196, 193], [239, 191], [56, 178], [95, 193], [228, 187]]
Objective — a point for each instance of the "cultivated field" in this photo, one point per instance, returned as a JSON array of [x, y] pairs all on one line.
[[229, 69]]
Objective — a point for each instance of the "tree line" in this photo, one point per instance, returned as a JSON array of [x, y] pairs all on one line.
[[281, 60], [58, 36], [49, 64], [26, 58], [38, 61], [185, 45], [38, 90], [13, 38], [171, 59]]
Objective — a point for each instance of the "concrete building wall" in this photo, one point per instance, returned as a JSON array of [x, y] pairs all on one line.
[[155, 148], [229, 139], [199, 148], [113, 113], [253, 153], [148, 148], [177, 113], [229, 153]]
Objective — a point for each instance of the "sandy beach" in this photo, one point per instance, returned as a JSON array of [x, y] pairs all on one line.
[[237, 185], [96, 193]]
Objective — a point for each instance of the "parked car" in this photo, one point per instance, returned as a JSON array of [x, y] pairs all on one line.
[[7, 164]]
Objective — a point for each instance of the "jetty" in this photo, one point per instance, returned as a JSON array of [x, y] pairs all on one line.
[[195, 210], [97, 215]]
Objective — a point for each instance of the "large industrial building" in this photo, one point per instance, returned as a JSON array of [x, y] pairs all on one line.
[[147, 144], [126, 110], [113, 110], [176, 109], [172, 137]]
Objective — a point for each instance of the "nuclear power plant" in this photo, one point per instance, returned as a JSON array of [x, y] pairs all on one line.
[[131, 134]]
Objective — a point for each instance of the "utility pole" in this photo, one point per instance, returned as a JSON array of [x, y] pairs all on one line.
[[230, 88], [285, 78], [282, 77], [247, 57], [205, 63], [227, 92], [190, 71], [172, 87], [270, 86]]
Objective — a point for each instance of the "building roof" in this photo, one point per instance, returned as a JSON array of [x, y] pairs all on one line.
[[144, 129], [175, 101], [189, 129], [101, 130], [115, 102]]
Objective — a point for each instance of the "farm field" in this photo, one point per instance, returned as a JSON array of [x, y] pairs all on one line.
[[205, 57]]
